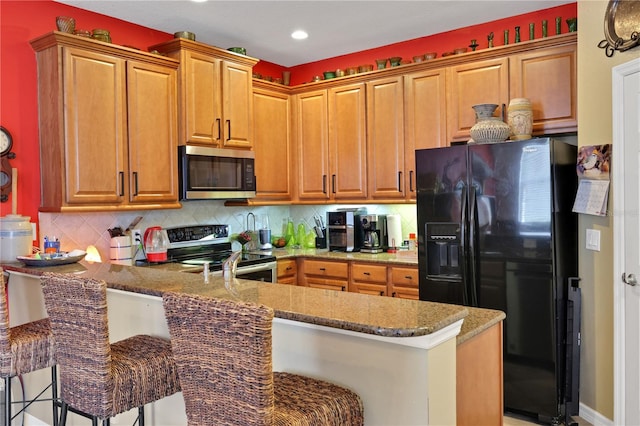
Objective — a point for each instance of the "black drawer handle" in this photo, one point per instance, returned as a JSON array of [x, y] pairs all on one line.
[[367, 273], [409, 277]]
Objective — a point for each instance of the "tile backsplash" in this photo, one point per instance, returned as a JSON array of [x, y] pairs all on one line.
[[79, 230]]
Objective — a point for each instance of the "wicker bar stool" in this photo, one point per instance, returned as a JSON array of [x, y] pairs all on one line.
[[224, 356], [99, 379], [24, 349]]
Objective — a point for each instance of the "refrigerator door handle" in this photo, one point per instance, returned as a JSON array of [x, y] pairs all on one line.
[[463, 245], [473, 222]]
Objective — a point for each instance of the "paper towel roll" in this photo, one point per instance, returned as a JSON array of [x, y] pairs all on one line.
[[394, 229]]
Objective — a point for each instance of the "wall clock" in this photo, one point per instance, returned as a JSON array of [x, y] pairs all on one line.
[[6, 143]]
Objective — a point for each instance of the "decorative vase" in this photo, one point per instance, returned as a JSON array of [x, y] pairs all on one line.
[[66, 24], [488, 129], [520, 118]]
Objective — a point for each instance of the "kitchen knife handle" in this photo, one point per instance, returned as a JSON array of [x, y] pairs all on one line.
[[333, 184], [121, 183], [135, 183], [229, 130], [324, 184]]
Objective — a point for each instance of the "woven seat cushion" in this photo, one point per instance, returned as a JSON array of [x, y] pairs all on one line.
[[302, 400], [30, 348]]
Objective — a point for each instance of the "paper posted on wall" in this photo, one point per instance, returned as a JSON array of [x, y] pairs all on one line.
[[592, 197]]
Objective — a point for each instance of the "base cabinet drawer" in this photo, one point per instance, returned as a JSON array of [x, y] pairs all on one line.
[[287, 272], [403, 282], [330, 275]]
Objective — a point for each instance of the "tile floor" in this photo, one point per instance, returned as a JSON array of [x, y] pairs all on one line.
[[515, 420]]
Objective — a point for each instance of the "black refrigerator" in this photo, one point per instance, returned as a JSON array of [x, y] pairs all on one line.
[[496, 230]]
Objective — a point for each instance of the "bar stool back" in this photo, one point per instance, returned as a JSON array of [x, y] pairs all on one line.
[[24, 349], [97, 378], [224, 356]]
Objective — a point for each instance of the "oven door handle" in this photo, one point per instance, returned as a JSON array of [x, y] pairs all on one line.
[[255, 268]]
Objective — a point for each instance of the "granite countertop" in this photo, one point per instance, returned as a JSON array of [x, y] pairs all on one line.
[[403, 257], [477, 321], [382, 316]]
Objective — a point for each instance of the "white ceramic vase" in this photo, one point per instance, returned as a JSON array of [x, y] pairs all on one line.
[[520, 118]]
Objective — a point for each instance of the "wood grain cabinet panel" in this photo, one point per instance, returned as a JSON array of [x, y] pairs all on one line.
[[425, 115], [403, 282], [385, 138], [108, 132], [548, 78], [216, 96], [330, 275], [479, 82], [272, 145], [287, 271], [368, 279]]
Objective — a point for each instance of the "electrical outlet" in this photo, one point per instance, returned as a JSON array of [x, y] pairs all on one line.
[[136, 236]]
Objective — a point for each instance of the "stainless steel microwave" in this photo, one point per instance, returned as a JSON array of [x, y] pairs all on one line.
[[215, 173]]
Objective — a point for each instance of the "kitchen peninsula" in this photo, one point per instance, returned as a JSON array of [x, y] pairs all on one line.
[[398, 355]]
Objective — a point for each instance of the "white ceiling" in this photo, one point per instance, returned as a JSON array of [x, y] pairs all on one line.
[[335, 27]]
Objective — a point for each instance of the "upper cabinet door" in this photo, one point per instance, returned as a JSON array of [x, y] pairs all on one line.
[[385, 138], [153, 132], [425, 116], [548, 78], [272, 145], [312, 143], [481, 82], [237, 105], [348, 142], [201, 91], [95, 134]]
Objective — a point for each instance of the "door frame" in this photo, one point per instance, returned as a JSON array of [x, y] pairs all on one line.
[[618, 75]]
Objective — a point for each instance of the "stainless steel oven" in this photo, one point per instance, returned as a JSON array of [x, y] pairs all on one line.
[[197, 245]]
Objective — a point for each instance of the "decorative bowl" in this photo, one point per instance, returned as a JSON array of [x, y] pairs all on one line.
[[185, 34], [395, 61], [329, 74], [240, 50], [459, 50], [365, 68], [430, 55]]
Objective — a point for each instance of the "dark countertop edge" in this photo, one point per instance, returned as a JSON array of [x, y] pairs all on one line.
[[446, 320]]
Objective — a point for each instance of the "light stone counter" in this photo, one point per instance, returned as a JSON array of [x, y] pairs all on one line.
[[398, 355]]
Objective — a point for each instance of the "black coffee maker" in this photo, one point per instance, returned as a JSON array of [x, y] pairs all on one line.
[[374, 228]]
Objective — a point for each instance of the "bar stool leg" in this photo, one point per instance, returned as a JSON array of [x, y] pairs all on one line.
[[54, 393], [140, 416], [7, 400]]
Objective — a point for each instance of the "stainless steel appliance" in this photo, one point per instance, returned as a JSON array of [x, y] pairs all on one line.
[[215, 173], [374, 228], [496, 230], [193, 246], [344, 229]]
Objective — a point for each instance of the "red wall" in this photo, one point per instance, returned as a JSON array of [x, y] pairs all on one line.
[[21, 21]]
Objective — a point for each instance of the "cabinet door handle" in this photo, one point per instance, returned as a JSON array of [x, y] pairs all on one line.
[[288, 268], [333, 183], [411, 181], [344, 288], [381, 293], [121, 183], [399, 181], [135, 183], [322, 269], [219, 129], [409, 277], [393, 294], [229, 130], [324, 184]]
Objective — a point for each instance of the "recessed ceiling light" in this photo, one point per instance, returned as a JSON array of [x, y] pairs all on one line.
[[299, 35], [198, 1]]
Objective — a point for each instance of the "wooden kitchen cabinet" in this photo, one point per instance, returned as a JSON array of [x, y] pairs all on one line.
[[216, 99], [287, 271], [108, 134], [329, 275], [272, 145], [331, 144], [425, 119], [385, 139], [548, 78], [403, 282], [367, 278], [473, 83]]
